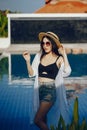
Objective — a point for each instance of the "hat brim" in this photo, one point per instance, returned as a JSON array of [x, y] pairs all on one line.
[[42, 34]]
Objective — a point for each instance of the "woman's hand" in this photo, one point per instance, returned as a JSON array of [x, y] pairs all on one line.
[[26, 56], [61, 51]]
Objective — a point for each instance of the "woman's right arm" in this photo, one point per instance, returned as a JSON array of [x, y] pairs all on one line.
[[26, 56]]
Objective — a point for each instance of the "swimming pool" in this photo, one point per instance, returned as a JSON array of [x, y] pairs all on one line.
[[16, 91], [78, 64]]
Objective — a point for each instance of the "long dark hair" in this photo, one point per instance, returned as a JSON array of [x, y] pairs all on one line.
[[54, 47]]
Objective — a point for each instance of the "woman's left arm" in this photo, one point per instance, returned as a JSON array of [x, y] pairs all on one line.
[[64, 62]]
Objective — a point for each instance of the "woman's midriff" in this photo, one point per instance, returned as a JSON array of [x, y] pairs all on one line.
[[41, 79]]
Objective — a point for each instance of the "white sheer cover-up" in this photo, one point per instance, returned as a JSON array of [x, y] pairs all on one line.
[[61, 106]]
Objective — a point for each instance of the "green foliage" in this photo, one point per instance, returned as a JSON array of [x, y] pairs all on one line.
[[3, 24], [61, 124], [3, 67], [83, 126], [76, 114], [74, 125], [52, 127]]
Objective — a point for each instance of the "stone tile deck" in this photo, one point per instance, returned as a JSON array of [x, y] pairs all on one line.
[[33, 48]]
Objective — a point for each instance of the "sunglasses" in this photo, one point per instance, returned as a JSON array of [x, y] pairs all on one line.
[[46, 43]]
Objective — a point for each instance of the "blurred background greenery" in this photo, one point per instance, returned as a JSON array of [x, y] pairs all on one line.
[[3, 23]]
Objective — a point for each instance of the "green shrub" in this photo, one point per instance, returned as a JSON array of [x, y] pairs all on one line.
[[3, 24], [74, 125]]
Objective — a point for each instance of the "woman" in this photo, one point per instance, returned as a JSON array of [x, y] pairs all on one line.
[[49, 66]]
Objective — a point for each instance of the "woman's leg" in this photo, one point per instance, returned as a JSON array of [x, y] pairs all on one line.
[[40, 118]]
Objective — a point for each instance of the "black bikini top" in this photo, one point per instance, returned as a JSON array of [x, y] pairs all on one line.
[[49, 71]]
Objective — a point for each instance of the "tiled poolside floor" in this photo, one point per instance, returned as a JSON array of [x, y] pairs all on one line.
[[16, 105]]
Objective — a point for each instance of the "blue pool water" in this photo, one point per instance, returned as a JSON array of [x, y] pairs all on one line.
[[16, 91], [78, 64]]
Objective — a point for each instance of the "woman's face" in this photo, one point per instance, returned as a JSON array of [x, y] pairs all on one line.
[[47, 46]]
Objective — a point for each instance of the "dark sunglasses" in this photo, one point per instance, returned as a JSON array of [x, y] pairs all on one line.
[[46, 43]]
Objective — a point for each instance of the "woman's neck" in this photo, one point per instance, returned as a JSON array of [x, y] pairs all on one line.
[[49, 53]]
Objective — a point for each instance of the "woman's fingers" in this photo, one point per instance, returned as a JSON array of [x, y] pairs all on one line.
[[61, 50], [26, 55]]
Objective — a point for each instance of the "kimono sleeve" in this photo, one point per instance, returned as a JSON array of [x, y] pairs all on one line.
[[66, 71]]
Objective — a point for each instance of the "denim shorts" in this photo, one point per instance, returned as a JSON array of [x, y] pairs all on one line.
[[47, 92]]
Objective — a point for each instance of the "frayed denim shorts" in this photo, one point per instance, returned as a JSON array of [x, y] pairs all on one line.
[[47, 92]]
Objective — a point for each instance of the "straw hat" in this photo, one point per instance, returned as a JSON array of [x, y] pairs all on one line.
[[52, 35]]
